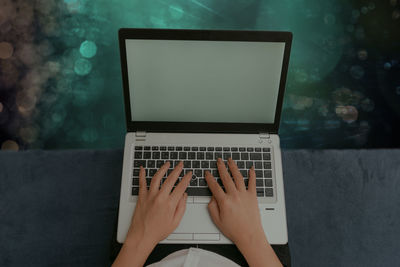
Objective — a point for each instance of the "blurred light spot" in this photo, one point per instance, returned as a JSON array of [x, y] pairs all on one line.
[[28, 134], [329, 19], [88, 49], [10, 145], [396, 14], [6, 50], [82, 66], [398, 90], [300, 102], [364, 10], [357, 72], [362, 54], [73, 5], [175, 11], [371, 6], [342, 96], [349, 114], [25, 102], [367, 105], [387, 66], [1, 107], [89, 135]]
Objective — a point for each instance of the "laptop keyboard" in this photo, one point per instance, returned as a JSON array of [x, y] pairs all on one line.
[[198, 159]]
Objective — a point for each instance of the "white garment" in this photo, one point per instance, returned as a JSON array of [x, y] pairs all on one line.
[[194, 257]]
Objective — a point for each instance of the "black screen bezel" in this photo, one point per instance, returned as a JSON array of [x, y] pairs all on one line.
[[208, 35]]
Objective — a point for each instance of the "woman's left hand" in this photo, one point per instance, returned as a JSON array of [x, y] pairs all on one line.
[[158, 210]]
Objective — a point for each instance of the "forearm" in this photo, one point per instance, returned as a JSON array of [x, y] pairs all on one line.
[[133, 253], [259, 253]]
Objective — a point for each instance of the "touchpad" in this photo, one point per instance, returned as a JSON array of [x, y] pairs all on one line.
[[197, 220]]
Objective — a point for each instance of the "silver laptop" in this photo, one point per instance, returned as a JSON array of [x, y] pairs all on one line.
[[195, 96]]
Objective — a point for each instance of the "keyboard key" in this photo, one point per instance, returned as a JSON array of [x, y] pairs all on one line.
[[218, 155], [259, 182], [138, 155], [159, 163], [236, 156], [269, 192], [193, 181], [244, 173], [240, 164], [135, 191], [268, 182], [147, 155], [200, 155], [151, 163], [152, 172], [198, 173], [187, 164], [257, 149], [191, 155], [198, 191], [173, 155], [215, 173], [260, 192], [178, 148], [205, 164], [182, 155], [186, 148], [138, 147], [249, 164], [146, 148], [202, 182], [244, 156], [163, 148], [138, 163], [135, 181], [165, 155], [218, 148], [176, 162], [268, 174], [267, 165], [250, 149], [266, 149], [210, 148], [259, 173], [255, 156], [135, 172], [171, 148], [209, 155], [258, 165], [213, 164], [227, 149], [234, 149], [195, 164], [156, 155], [195, 148], [266, 156], [242, 149], [226, 155], [154, 148], [202, 148]]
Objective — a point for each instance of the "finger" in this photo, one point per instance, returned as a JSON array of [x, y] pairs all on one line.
[[214, 211], [252, 180], [225, 177], [171, 179], [237, 176], [155, 181], [216, 190], [142, 182], [180, 209], [181, 187]]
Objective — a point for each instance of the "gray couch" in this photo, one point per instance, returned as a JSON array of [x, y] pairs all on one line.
[[59, 208]]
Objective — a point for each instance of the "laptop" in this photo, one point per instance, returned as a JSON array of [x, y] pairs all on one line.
[[195, 96]]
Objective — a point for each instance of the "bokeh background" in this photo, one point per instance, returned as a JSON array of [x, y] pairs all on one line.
[[60, 78]]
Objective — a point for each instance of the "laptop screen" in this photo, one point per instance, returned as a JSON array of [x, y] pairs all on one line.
[[203, 81]]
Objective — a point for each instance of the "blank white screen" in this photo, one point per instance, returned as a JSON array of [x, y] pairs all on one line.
[[204, 81]]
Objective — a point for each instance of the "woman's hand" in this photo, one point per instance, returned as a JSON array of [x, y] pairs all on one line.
[[158, 213], [236, 214]]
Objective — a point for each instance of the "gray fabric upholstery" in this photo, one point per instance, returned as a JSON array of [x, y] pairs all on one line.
[[59, 208]]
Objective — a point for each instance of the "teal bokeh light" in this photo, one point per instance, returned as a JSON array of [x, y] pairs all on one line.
[[82, 66], [88, 49]]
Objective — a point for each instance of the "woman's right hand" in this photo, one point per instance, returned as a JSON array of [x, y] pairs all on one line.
[[236, 213]]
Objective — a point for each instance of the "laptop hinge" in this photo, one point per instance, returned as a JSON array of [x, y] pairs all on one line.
[[140, 134], [264, 136]]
